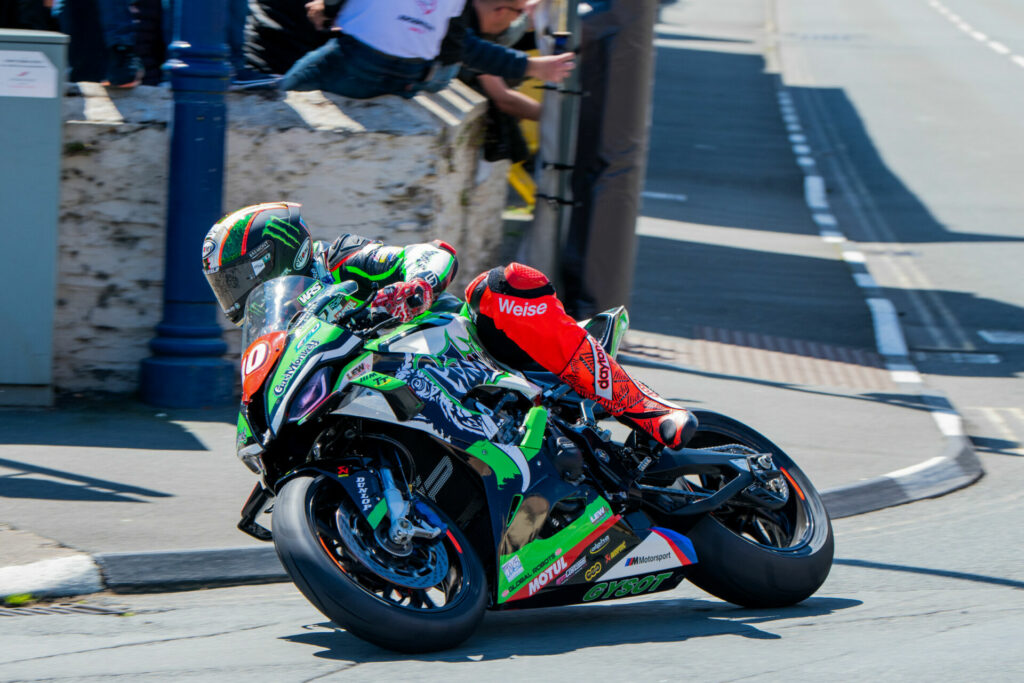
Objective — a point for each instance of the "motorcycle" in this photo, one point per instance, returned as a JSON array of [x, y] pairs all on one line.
[[414, 482]]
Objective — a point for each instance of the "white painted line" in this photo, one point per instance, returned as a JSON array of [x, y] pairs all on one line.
[[794, 128], [825, 219], [814, 192], [913, 469], [851, 256], [906, 377], [73, 575], [790, 118], [865, 280], [1018, 60], [797, 138], [888, 335], [949, 422], [1001, 336], [999, 47], [832, 237], [904, 373], [801, 149], [805, 161], [953, 17], [979, 36], [666, 196]]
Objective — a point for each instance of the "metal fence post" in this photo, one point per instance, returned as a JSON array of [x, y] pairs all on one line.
[[187, 368]]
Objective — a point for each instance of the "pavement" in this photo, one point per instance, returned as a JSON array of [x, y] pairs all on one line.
[[744, 302]]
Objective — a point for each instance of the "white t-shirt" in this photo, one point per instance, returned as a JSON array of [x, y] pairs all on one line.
[[403, 28]]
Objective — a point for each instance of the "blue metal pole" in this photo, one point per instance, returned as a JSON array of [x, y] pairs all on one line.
[[187, 368]]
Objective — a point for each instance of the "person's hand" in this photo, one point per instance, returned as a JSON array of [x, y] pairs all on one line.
[[403, 300], [316, 14], [551, 68]]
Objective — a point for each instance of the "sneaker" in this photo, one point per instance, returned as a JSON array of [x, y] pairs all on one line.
[[124, 69]]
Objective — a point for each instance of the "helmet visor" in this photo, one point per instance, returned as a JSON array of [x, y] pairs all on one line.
[[231, 284]]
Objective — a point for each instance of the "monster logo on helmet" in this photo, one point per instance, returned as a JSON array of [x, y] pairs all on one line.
[[250, 247]]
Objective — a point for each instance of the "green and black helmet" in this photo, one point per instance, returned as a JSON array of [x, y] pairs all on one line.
[[251, 246]]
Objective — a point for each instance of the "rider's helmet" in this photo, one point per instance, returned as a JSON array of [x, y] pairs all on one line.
[[251, 246]]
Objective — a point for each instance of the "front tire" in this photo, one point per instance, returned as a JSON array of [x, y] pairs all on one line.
[[389, 616], [761, 558]]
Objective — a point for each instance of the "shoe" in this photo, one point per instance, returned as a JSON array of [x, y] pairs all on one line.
[[593, 374], [124, 68]]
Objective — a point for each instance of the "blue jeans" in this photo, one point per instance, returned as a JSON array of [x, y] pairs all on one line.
[[95, 26], [347, 67]]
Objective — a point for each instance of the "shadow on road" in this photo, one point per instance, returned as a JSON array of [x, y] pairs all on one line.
[[63, 485], [945, 573], [566, 629]]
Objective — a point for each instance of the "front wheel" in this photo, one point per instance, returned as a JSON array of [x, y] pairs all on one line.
[[323, 543], [754, 556]]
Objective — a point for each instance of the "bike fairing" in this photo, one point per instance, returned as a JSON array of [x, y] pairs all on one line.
[[450, 363]]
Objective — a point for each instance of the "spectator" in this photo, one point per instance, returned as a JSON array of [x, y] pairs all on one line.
[[402, 47], [110, 58], [503, 22], [278, 33], [27, 14]]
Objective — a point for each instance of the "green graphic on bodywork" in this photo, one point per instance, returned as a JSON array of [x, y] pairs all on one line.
[[504, 467], [537, 555], [244, 435], [378, 381], [282, 231], [536, 421], [348, 368], [621, 325], [517, 500], [377, 513], [304, 342]]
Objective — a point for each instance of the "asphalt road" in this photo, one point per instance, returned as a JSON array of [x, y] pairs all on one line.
[[915, 123]]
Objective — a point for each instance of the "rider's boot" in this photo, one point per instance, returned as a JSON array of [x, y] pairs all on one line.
[[595, 375]]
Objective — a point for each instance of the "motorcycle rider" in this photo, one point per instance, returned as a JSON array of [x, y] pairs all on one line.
[[517, 315]]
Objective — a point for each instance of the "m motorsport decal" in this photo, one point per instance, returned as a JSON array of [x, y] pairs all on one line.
[[663, 549], [624, 587]]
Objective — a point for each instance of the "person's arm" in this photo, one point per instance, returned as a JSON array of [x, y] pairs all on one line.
[[508, 100]]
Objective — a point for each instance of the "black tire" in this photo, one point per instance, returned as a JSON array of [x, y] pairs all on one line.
[[343, 596], [766, 572]]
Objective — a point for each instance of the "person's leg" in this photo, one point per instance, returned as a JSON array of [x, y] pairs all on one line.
[[124, 68], [339, 69], [521, 303]]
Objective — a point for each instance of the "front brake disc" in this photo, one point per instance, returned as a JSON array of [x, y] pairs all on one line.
[[425, 567]]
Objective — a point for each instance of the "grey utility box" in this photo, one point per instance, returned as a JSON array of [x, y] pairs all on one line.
[[31, 90]]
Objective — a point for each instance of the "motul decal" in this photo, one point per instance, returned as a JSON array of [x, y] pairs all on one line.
[[602, 372]]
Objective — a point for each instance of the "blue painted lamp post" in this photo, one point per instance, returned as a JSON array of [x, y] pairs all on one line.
[[187, 368]]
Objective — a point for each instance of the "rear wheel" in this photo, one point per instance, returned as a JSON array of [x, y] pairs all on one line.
[[752, 555], [327, 547]]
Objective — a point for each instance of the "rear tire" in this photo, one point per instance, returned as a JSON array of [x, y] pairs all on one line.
[[775, 568], [338, 587]]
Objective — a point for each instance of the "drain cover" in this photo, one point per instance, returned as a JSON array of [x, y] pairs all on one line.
[[35, 610]]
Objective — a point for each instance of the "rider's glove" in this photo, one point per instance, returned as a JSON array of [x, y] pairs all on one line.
[[403, 300]]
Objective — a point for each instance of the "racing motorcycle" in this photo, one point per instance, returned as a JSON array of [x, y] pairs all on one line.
[[414, 482]]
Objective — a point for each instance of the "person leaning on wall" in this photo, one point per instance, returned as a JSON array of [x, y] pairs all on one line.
[[403, 47]]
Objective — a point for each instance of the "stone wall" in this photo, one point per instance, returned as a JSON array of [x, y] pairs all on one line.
[[400, 170]]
